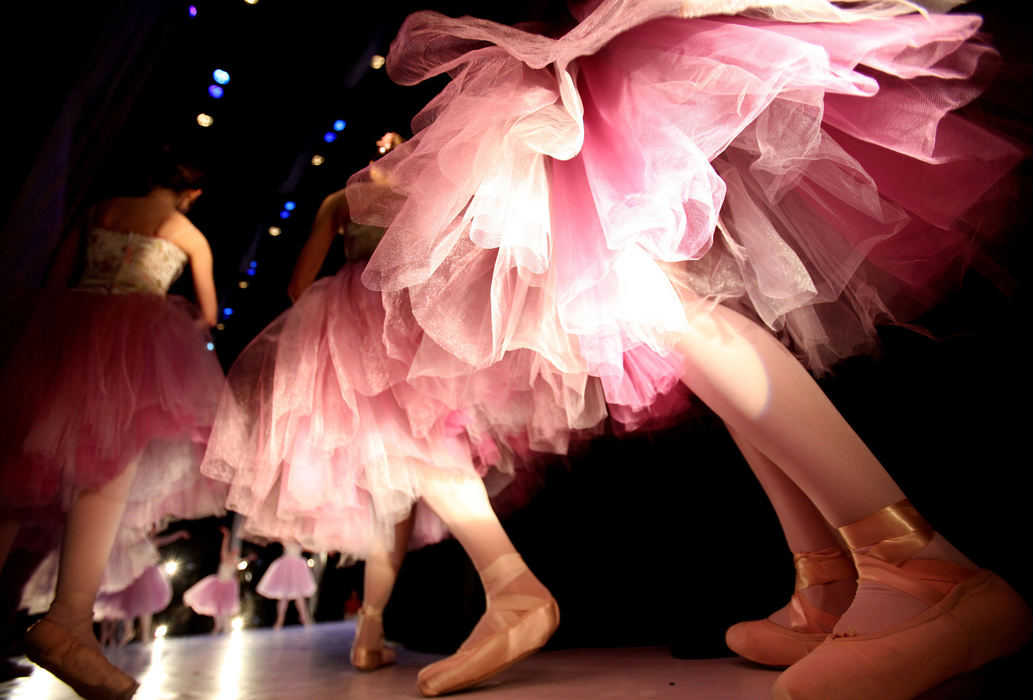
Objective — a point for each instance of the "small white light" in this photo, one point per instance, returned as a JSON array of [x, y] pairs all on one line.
[[318, 159], [160, 631], [377, 61], [251, 2], [237, 623], [383, 149], [275, 230], [171, 566], [242, 284], [241, 566], [220, 326], [311, 563], [205, 119]]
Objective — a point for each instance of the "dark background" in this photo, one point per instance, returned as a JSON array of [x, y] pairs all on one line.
[[656, 539]]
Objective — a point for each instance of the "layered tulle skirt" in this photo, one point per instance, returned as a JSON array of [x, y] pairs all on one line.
[[150, 593], [287, 578], [581, 197], [214, 596], [324, 432], [96, 382]]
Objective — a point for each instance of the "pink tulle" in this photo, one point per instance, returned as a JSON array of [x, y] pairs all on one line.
[[287, 578], [214, 596], [571, 196], [329, 419], [150, 593], [97, 381]]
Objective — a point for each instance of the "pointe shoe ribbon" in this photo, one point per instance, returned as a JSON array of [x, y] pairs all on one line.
[[82, 667], [764, 642], [370, 658], [973, 618], [524, 624]]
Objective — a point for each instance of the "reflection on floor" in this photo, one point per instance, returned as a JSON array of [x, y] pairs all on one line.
[[312, 663]]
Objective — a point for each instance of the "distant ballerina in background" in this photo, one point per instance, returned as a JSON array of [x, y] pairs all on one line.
[[147, 595], [218, 595], [289, 578], [108, 399]]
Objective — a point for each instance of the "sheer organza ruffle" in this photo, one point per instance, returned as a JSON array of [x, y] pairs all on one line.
[[334, 413], [571, 196], [287, 578], [214, 596], [97, 381], [150, 593]]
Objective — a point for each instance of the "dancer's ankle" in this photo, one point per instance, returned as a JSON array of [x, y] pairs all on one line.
[[74, 618]]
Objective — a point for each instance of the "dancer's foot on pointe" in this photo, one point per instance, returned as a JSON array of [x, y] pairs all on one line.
[[81, 666], [826, 581], [519, 618], [915, 622], [368, 650]]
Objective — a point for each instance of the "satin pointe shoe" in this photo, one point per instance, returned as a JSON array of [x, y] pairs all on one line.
[[370, 658], [974, 617], [82, 667], [771, 644], [522, 624]]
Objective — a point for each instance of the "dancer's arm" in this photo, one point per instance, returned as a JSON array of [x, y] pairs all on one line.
[[332, 213], [169, 539], [195, 245]]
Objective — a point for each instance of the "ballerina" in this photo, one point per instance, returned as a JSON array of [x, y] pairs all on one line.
[[288, 579], [327, 436], [218, 595], [694, 187], [111, 392]]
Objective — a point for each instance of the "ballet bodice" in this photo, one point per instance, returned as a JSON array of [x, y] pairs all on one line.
[[130, 263], [227, 571], [360, 240], [292, 549]]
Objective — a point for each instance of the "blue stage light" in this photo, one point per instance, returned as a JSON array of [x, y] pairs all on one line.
[[250, 272], [220, 76], [210, 346], [289, 206], [192, 10], [329, 137], [340, 124], [215, 91], [253, 264], [227, 311], [284, 214]]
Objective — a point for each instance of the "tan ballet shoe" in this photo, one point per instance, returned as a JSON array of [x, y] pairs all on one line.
[[82, 667], [765, 642], [974, 617], [370, 658], [523, 624]]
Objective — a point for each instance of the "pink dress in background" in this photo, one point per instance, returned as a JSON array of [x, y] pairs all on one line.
[[324, 428], [216, 595], [288, 577], [105, 373], [798, 161], [150, 593]]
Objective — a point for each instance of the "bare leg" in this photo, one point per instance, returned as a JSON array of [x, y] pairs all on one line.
[[381, 572], [520, 614], [146, 635], [804, 528], [90, 528], [762, 393], [301, 605], [281, 613]]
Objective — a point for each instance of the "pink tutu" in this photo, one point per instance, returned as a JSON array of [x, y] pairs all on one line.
[[287, 578], [800, 164], [150, 593], [214, 596], [323, 430], [96, 381]]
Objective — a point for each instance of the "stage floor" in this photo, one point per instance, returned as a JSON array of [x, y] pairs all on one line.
[[312, 663]]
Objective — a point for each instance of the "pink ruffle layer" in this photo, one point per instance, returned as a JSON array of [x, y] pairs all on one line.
[[213, 596], [324, 430], [287, 578], [150, 593], [572, 196], [99, 380]]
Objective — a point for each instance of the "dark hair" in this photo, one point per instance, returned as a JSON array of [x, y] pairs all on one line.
[[177, 170]]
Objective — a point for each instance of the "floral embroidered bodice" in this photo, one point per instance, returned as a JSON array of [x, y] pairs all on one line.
[[130, 263]]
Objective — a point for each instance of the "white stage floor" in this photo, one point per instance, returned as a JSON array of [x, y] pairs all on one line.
[[312, 663]]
